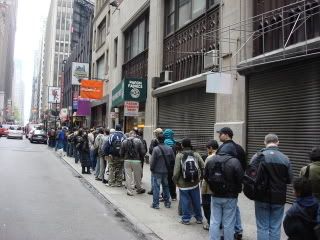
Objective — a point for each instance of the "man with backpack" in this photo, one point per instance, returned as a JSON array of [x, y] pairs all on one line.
[[98, 143], [112, 150], [133, 151], [224, 174], [269, 187], [312, 171], [187, 173], [235, 150], [161, 159]]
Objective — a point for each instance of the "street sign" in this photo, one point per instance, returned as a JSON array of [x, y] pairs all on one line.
[[131, 109]]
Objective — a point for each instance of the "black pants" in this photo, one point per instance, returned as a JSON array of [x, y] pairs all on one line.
[[172, 187], [206, 204]]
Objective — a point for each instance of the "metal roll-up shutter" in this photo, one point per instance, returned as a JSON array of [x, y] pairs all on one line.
[[190, 114], [286, 101]]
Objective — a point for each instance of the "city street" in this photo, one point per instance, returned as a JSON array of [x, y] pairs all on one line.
[[42, 198]]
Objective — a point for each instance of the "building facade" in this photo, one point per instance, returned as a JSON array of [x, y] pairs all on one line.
[[57, 47], [81, 54], [8, 16]]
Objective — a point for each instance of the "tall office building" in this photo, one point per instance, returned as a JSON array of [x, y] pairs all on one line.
[[18, 93], [8, 16], [57, 46]]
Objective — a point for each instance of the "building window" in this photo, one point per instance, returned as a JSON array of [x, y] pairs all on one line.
[[184, 12], [101, 38], [115, 52], [108, 22], [170, 16], [100, 68], [213, 2], [136, 38]]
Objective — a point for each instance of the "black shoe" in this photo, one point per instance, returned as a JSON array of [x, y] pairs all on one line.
[[141, 191], [98, 179], [150, 192], [88, 172], [238, 236], [104, 181]]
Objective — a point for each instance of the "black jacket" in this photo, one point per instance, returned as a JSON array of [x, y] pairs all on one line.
[[233, 174], [235, 150], [153, 144], [301, 218], [139, 149], [277, 172]]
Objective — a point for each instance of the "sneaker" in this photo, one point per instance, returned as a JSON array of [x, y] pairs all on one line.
[[184, 222], [168, 205], [238, 236], [174, 199], [141, 191], [98, 179], [110, 185], [117, 185], [161, 199], [150, 192], [104, 181], [129, 193], [199, 222], [155, 207], [206, 227]]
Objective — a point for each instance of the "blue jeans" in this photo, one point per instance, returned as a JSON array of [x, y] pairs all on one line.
[[223, 212], [93, 159], [238, 227], [157, 180], [268, 219], [188, 198]]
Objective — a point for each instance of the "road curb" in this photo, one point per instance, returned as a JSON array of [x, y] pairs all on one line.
[[138, 226]]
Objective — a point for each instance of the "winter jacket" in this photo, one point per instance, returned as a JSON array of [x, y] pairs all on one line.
[[314, 177], [277, 170], [91, 141], [235, 150], [177, 173], [301, 218], [139, 149], [233, 174], [205, 189], [168, 135], [98, 143], [160, 163], [153, 144]]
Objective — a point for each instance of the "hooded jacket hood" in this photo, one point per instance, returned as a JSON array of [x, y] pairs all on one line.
[[168, 134], [306, 208]]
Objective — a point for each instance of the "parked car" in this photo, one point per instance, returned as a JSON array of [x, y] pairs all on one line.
[[3, 130], [38, 136], [30, 133], [15, 132]]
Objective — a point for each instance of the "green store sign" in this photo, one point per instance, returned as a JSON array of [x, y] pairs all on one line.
[[130, 89]]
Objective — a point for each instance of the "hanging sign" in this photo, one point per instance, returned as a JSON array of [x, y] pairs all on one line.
[[91, 89], [131, 109]]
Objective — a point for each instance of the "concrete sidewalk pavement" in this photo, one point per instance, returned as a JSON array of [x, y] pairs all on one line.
[[162, 223]]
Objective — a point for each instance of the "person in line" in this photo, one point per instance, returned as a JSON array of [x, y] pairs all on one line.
[[154, 142], [161, 160], [93, 153], [103, 136], [133, 151], [74, 143], [116, 163], [83, 148], [224, 174], [206, 193], [301, 218], [187, 173], [269, 208], [233, 149], [169, 141], [313, 172]]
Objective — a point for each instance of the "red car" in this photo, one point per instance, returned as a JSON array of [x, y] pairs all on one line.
[[4, 130]]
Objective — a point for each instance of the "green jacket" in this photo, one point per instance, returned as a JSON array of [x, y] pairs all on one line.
[[177, 172], [314, 176]]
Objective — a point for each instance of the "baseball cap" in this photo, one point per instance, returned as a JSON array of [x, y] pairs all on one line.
[[226, 130], [158, 130]]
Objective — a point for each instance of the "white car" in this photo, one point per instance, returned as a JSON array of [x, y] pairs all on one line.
[[15, 132]]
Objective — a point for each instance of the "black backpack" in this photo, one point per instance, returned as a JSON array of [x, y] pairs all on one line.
[[255, 180], [217, 177], [190, 168], [116, 144], [131, 149]]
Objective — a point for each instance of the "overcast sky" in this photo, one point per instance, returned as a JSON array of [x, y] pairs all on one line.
[[28, 35]]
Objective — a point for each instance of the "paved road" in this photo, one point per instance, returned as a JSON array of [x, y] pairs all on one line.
[[41, 198]]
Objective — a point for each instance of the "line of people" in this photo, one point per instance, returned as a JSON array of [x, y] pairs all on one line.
[[213, 181]]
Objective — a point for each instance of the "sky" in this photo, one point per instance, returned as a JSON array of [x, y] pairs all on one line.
[[28, 35]]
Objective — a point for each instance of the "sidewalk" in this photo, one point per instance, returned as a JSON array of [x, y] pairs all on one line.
[[163, 222]]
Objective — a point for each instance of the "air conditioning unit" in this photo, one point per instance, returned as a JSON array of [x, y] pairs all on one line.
[[211, 59], [166, 77]]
